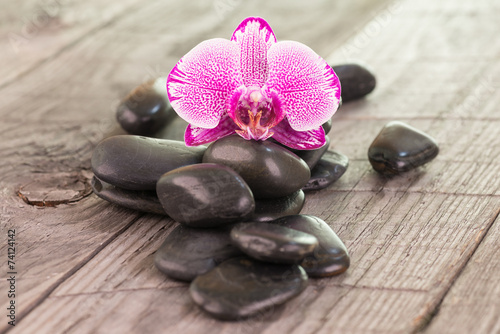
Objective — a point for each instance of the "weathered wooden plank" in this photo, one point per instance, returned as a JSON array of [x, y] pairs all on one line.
[[399, 244], [471, 305], [34, 31]]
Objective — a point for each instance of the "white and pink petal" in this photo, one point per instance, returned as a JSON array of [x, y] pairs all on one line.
[[202, 81], [195, 136], [308, 88], [254, 37], [300, 140]]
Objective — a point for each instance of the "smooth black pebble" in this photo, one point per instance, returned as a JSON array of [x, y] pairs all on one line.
[[356, 81], [242, 287], [270, 170], [327, 126], [273, 243], [270, 209], [311, 157], [329, 169], [400, 148], [145, 110], [140, 200], [205, 195], [188, 252], [330, 257], [136, 163]]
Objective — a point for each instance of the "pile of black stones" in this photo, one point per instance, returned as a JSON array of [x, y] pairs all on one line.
[[241, 241]]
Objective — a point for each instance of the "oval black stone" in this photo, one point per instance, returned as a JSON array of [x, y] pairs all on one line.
[[328, 170], [270, 170], [140, 200], [356, 81], [270, 209], [273, 243], [400, 148], [136, 163], [311, 157], [330, 257], [327, 126], [241, 287], [145, 110], [189, 252], [205, 195]]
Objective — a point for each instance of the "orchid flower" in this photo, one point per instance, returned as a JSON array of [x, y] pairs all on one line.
[[256, 87]]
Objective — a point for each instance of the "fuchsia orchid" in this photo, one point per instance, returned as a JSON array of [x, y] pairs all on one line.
[[256, 87]]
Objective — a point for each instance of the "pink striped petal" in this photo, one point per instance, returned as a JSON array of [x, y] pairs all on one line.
[[300, 140], [200, 84], [308, 87], [195, 136], [254, 37]]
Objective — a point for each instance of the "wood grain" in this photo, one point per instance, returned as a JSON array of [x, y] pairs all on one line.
[[422, 244]]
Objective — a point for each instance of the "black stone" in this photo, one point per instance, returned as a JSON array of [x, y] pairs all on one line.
[[311, 157], [356, 81], [174, 130], [145, 110], [273, 243], [136, 163], [399, 148], [270, 209], [205, 195], [270, 170], [188, 252], [327, 126], [242, 287], [141, 200], [330, 257], [328, 170]]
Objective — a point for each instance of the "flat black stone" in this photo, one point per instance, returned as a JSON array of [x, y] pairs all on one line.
[[273, 243], [311, 157], [399, 148], [145, 110], [356, 81], [136, 163], [140, 200], [270, 170], [330, 257], [270, 209], [327, 126], [242, 287], [205, 195], [188, 252], [328, 170]]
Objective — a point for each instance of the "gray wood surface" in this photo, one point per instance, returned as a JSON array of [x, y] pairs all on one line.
[[424, 245]]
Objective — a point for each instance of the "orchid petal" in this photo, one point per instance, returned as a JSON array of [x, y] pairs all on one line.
[[308, 87], [300, 140], [202, 81], [254, 37], [195, 136]]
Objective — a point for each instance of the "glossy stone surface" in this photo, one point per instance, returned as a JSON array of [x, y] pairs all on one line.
[[330, 257], [400, 147], [136, 163], [311, 157], [273, 243], [140, 200], [188, 252], [270, 209], [328, 170], [270, 170], [205, 195], [327, 126], [145, 110], [356, 81], [241, 287]]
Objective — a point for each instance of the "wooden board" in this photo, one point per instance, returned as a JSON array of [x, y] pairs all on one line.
[[419, 242]]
